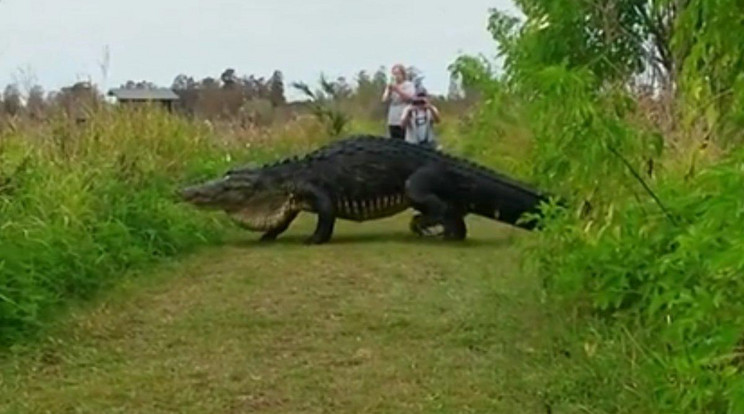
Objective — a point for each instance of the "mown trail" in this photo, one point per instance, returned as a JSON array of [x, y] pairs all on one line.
[[376, 322]]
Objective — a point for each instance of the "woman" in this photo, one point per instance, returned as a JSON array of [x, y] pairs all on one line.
[[399, 93]]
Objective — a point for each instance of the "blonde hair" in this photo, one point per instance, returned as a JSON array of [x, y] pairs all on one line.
[[400, 67]]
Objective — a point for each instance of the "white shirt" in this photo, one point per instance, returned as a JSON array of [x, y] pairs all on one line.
[[397, 105]]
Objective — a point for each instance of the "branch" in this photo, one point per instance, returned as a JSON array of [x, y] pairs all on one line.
[[645, 186]]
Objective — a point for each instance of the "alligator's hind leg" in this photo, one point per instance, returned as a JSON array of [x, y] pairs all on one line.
[[272, 234], [420, 188], [455, 228]]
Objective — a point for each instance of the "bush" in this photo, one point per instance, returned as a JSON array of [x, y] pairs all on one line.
[[82, 203], [650, 254]]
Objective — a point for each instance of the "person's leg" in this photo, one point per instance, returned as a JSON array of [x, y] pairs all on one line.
[[396, 131]]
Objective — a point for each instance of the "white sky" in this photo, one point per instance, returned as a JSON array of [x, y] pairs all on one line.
[[62, 41]]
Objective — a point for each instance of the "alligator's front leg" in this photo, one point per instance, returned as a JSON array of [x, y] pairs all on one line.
[[324, 208], [272, 234]]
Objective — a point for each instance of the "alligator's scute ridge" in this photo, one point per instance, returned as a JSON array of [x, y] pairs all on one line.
[[367, 177]]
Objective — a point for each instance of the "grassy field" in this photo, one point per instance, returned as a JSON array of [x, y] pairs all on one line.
[[378, 321]]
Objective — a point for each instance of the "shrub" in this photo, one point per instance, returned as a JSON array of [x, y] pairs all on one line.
[[82, 203]]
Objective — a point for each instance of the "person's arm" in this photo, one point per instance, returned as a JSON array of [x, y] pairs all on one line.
[[406, 93], [405, 116], [386, 94], [435, 114]]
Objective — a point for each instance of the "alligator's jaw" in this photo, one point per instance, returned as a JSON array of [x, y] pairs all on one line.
[[263, 218], [252, 210]]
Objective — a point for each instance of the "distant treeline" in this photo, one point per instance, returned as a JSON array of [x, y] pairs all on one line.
[[229, 96]]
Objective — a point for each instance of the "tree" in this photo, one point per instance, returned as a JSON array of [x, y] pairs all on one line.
[[35, 103], [455, 90], [143, 84], [616, 40], [380, 77], [12, 104], [187, 90], [276, 89], [228, 78], [416, 76], [324, 105], [672, 48], [183, 82]]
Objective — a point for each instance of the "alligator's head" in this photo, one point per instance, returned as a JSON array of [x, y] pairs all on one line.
[[254, 201]]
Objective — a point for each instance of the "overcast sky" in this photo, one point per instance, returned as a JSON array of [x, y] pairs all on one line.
[[62, 41]]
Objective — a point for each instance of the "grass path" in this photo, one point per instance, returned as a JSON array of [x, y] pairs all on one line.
[[376, 322]]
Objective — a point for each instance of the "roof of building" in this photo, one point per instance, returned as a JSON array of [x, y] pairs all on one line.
[[160, 94]]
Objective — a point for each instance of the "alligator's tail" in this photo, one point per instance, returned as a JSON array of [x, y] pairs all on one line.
[[512, 202]]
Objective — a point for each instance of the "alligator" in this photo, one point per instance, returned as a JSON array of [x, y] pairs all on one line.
[[367, 177]]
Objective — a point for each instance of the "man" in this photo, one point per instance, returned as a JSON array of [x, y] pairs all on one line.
[[418, 119]]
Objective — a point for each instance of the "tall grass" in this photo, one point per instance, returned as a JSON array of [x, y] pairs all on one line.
[[82, 203], [646, 266]]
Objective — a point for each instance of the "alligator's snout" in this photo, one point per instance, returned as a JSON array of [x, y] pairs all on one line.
[[184, 194], [209, 194], [190, 194]]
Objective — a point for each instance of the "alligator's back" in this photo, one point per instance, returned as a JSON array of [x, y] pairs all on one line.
[[365, 161], [363, 166]]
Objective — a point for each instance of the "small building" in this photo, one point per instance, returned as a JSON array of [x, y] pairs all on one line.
[[130, 96]]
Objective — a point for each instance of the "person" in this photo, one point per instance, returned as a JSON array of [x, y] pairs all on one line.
[[398, 93], [419, 118]]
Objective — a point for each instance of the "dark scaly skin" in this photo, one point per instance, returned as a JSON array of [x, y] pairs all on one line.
[[365, 178]]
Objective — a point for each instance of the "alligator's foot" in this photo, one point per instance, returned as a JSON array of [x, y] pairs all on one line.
[[268, 237], [425, 226], [315, 239], [272, 234], [455, 229]]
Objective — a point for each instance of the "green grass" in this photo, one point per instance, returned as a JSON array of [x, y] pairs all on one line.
[[377, 321]]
